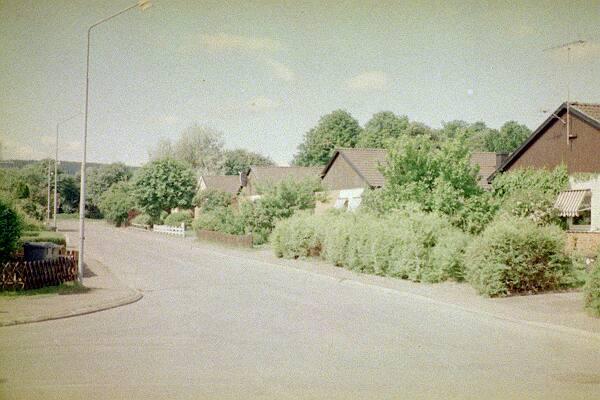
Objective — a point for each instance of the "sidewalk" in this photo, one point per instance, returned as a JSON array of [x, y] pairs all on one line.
[[106, 292], [561, 311]]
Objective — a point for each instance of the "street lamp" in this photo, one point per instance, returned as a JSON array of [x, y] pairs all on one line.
[[56, 167], [143, 5]]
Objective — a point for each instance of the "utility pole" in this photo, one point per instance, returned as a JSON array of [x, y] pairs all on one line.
[[48, 205], [568, 47], [142, 5]]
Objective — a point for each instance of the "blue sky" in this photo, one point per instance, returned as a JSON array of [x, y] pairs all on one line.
[[264, 72]]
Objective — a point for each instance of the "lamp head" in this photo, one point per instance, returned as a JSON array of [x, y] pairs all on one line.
[[144, 4]]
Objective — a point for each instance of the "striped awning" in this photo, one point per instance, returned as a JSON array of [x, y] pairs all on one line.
[[571, 202]]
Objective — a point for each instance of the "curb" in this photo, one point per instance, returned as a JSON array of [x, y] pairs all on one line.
[[132, 298]]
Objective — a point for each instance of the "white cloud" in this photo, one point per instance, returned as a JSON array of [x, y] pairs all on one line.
[[281, 71], [370, 80], [226, 41], [262, 103]]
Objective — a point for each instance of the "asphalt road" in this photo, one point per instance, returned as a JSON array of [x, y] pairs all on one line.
[[214, 325]]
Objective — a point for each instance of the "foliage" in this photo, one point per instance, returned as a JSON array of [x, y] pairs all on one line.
[[42, 236], [551, 182], [515, 256], [116, 203], [437, 176], [31, 209], [334, 130], [475, 213], [208, 200], [240, 160], [68, 191], [162, 185], [511, 136], [409, 245], [177, 218], [142, 219], [100, 179], [277, 202], [382, 129], [10, 230], [592, 290], [533, 204], [21, 190], [199, 147], [474, 133], [222, 219]]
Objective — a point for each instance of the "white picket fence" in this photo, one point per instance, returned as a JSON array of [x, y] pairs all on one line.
[[170, 230]]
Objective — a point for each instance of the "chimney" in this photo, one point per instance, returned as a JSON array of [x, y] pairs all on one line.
[[500, 159]]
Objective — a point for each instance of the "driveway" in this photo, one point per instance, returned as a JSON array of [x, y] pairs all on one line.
[[215, 325]]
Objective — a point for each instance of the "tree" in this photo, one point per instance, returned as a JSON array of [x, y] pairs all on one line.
[[116, 203], [334, 130], [163, 149], [511, 136], [437, 176], [10, 230], [201, 148], [100, 179], [381, 129], [240, 160], [68, 192], [162, 185], [475, 133]]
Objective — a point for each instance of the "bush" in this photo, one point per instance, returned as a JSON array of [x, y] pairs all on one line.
[[52, 237], [32, 209], [541, 180], [220, 220], [142, 219], [277, 202], [407, 244], [533, 204], [209, 200], [10, 230], [592, 290], [515, 256], [177, 218], [116, 203]]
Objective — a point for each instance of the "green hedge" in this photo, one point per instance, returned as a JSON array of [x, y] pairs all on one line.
[[514, 255], [176, 218], [43, 236], [142, 219], [592, 290], [416, 246], [220, 220]]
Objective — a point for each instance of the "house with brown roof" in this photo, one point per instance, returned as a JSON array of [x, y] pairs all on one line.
[[225, 183], [264, 176], [348, 173], [570, 136]]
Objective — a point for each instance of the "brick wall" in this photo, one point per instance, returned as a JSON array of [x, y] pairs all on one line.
[[586, 243]]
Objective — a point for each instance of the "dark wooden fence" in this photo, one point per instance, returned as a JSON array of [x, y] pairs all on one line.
[[225, 238], [23, 275]]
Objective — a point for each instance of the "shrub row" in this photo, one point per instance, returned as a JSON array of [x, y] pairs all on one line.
[[511, 256], [416, 246], [177, 218], [592, 290]]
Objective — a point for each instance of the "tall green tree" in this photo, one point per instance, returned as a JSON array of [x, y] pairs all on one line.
[[475, 133], [382, 128], [511, 136], [239, 160], [162, 185], [100, 179], [334, 130], [116, 203]]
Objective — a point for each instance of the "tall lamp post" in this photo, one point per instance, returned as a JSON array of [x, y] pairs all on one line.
[[143, 5], [56, 167]]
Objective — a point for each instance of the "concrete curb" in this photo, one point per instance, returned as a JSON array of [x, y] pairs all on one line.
[[131, 298]]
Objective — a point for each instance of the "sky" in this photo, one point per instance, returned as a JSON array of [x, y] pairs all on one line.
[[264, 72]]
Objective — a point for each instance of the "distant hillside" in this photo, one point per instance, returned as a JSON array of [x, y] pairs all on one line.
[[69, 167]]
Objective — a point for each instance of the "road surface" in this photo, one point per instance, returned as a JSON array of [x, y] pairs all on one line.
[[214, 325]]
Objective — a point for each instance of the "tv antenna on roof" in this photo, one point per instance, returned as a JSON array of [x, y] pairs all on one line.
[[568, 47]]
